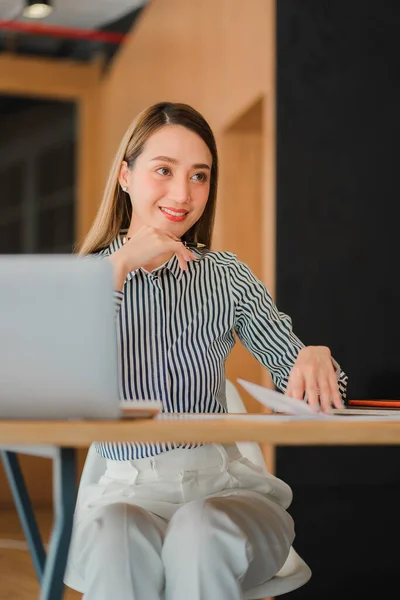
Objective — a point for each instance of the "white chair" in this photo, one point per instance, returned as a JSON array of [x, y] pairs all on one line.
[[294, 573]]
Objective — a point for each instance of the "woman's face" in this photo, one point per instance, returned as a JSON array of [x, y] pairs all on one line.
[[169, 183]]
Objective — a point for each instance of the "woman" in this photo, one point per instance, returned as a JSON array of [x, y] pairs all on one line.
[[185, 520]]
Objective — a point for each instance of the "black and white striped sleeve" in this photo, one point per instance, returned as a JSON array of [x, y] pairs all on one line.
[[118, 295], [265, 331]]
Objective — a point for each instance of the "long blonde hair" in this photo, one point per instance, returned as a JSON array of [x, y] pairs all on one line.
[[115, 211]]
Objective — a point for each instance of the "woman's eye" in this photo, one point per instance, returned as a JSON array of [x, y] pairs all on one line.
[[163, 171], [200, 177]]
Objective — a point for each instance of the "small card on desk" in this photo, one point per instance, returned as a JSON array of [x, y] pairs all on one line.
[[140, 409]]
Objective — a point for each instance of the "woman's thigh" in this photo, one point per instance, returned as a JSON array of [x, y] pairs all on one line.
[[111, 526]]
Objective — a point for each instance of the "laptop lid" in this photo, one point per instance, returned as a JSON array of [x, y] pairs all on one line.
[[58, 345]]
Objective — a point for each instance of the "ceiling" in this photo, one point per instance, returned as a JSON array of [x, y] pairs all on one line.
[[116, 16]]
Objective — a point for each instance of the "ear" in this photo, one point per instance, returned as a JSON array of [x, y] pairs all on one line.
[[123, 176]]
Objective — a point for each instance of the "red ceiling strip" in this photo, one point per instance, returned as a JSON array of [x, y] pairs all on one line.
[[107, 37]]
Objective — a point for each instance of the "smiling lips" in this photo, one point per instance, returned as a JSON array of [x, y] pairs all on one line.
[[174, 214]]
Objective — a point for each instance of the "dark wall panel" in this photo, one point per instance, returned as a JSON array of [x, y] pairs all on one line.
[[338, 250]]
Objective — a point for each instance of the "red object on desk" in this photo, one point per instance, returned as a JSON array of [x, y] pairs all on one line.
[[374, 403]]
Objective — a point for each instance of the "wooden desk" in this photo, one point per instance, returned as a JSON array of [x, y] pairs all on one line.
[[227, 429], [59, 440]]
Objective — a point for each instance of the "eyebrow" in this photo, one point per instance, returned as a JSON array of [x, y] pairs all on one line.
[[174, 161]]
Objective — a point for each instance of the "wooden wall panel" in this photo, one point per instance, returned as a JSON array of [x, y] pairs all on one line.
[[240, 205]]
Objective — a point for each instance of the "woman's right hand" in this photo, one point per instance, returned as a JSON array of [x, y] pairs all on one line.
[[145, 247]]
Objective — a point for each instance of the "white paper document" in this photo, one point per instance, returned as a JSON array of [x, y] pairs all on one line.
[[278, 402]]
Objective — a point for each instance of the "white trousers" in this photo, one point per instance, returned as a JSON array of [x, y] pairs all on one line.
[[195, 524]]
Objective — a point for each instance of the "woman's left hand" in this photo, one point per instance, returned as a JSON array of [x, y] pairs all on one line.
[[314, 377]]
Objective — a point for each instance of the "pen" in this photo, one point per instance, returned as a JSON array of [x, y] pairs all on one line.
[[190, 245], [195, 245]]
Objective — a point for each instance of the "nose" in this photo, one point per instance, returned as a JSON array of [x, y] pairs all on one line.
[[179, 191]]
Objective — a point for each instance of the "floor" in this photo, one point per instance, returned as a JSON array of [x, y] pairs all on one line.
[[17, 575]]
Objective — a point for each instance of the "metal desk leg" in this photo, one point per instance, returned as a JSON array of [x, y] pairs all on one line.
[[25, 511], [50, 570], [64, 476]]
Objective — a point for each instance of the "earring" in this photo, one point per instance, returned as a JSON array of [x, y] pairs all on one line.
[[124, 188]]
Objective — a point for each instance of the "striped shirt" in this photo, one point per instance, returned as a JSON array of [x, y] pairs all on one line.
[[176, 330]]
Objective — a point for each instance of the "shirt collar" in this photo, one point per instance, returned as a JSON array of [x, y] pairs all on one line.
[[172, 264]]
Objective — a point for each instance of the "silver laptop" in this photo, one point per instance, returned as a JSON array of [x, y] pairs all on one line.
[[58, 347]]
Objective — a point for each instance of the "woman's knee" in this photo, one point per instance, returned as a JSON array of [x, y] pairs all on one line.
[[201, 535], [192, 516], [194, 523]]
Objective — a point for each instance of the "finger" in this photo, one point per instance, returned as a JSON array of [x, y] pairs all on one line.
[[312, 391], [182, 261], [325, 394], [296, 385], [185, 252], [184, 256], [335, 394], [189, 252]]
